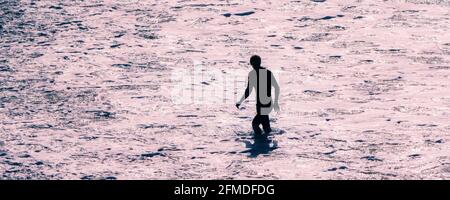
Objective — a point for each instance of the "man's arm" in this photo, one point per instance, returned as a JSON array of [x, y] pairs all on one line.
[[277, 92], [247, 93]]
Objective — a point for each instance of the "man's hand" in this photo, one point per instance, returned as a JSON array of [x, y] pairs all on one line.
[[276, 107], [237, 105]]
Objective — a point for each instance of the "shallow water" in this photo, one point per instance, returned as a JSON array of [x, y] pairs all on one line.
[[86, 89]]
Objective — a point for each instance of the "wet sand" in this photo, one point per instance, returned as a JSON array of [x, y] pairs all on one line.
[[86, 89]]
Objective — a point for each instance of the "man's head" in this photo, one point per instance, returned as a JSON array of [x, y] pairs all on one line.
[[255, 61]]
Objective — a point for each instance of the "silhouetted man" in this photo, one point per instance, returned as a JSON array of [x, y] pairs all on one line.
[[262, 80]]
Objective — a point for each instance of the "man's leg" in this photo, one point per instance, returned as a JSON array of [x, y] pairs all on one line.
[[255, 124], [266, 123]]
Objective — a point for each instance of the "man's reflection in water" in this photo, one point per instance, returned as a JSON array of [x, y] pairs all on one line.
[[262, 144]]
